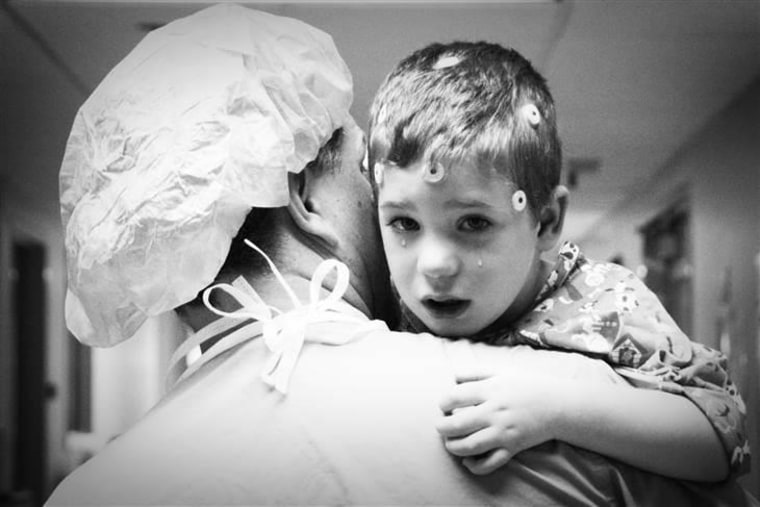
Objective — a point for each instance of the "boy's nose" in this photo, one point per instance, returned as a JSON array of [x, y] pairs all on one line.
[[437, 260]]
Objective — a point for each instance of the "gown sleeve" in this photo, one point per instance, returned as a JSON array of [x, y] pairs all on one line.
[[604, 310]]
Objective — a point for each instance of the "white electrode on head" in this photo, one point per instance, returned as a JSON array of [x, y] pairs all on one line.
[[378, 171], [446, 61], [519, 200], [433, 173], [530, 112]]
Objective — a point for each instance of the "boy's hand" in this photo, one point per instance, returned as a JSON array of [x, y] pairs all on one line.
[[489, 419]]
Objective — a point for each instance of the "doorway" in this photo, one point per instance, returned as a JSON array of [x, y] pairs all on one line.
[[30, 391], [668, 258]]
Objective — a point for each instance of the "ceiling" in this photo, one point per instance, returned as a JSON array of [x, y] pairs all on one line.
[[633, 80]]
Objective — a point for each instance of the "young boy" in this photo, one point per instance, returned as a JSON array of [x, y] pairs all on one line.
[[465, 159]]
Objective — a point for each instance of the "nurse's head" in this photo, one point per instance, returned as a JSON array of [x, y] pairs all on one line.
[[206, 126], [466, 162]]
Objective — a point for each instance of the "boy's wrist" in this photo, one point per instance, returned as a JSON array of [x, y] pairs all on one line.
[[565, 411]]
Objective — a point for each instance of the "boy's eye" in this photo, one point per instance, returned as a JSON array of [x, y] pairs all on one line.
[[474, 224], [404, 224]]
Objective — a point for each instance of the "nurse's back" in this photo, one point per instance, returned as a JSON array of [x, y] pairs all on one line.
[[356, 427]]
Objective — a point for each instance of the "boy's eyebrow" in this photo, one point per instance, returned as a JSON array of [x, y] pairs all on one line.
[[402, 204], [469, 203], [407, 204]]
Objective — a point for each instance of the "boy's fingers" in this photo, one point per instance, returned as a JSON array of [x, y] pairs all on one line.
[[472, 375], [482, 465], [462, 395], [461, 423], [471, 445]]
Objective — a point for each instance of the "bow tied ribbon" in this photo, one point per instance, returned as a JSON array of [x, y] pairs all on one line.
[[284, 333]]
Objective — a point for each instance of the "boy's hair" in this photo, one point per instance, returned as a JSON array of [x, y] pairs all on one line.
[[447, 102]]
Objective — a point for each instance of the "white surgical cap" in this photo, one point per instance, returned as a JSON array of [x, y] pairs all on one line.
[[203, 120]]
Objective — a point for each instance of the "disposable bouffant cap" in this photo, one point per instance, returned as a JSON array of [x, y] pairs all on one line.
[[202, 121]]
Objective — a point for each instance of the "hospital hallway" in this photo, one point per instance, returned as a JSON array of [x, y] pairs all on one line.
[[658, 107]]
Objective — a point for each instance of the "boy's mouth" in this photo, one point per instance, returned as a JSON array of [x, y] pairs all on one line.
[[445, 308]]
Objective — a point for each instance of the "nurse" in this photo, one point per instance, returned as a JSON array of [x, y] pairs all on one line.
[[216, 173]]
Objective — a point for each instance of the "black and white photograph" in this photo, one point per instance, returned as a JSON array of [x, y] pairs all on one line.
[[392, 253]]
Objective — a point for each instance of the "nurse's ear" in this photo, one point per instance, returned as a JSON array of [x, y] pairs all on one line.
[[552, 218], [305, 211]]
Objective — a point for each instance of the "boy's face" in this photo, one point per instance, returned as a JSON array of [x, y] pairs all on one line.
[[461, 254]]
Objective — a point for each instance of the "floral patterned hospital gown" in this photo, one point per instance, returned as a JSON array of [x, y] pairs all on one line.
[[604, 310]]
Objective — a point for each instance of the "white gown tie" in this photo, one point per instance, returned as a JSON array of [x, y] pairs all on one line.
[[284, 333]]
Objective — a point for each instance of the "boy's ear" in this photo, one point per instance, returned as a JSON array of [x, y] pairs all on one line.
[[304, 209], [552, 218]]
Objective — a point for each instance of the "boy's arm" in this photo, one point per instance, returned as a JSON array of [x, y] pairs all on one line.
[[653, 430], [704, 382], [489, 420], [605, 311]]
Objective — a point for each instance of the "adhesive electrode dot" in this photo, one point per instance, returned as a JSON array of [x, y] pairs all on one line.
[[519, 200], [530, 112], [446, 61], [434, 173]]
